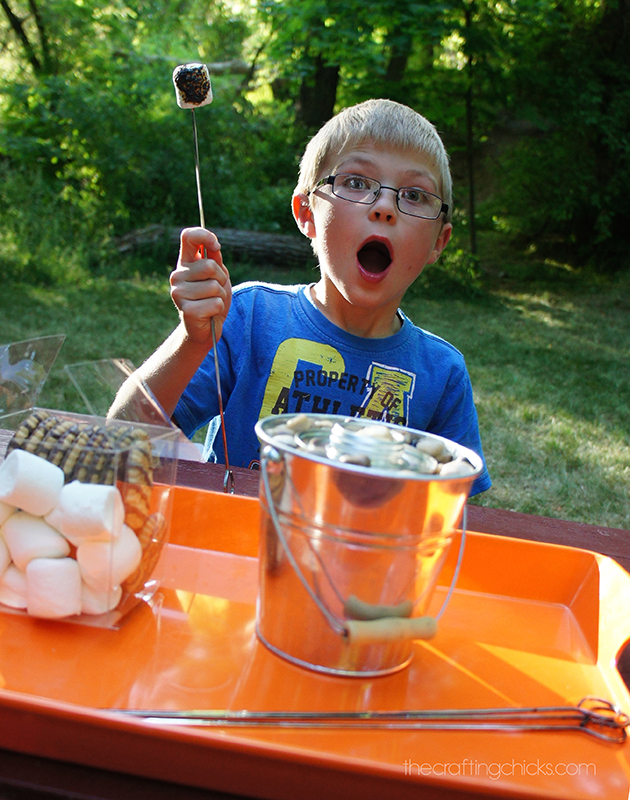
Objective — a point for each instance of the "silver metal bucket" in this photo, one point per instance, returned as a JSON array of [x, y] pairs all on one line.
[[349, 553]]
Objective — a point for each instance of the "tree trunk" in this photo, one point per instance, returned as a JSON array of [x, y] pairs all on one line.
[[18, 29], [399, 51], [470, 143], [47, 61], [318, 94]]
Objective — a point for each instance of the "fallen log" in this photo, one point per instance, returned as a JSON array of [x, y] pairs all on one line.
[[279, 249]]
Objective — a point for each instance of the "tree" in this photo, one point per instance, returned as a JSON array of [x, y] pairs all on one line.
[[88, 104], [566, 183], [40, 61], [327, 53], [307, 45]]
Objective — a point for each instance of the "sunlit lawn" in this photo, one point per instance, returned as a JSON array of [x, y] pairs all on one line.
[[551, 375], [550, 369]]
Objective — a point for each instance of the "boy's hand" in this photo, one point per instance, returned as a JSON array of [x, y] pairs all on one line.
[[200, 286]]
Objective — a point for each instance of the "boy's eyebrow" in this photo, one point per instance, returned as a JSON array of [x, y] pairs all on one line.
[[413, 172]]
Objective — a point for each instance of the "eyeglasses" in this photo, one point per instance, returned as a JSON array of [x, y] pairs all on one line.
[[409, 199]]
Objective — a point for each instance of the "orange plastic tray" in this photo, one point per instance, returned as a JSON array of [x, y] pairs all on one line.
[[528, 625]]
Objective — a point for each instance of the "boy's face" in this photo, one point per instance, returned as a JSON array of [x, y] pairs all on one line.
[[369, 255]]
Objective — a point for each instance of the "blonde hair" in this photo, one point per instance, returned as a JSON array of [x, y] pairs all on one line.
[[384, 123]]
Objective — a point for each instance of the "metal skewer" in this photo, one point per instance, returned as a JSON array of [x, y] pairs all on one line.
[[596, 717], [228, 478]]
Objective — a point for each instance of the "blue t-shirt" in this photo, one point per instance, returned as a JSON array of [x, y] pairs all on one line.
[[279, 354]]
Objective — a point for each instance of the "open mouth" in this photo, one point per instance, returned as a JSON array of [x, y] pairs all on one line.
[[374, 257]]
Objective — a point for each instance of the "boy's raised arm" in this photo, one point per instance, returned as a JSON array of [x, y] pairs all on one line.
[[201, 289]]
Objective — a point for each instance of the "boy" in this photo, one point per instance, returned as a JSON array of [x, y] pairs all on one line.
[[374, 197]]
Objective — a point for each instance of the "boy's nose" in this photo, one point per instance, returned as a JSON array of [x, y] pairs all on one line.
[[384, 208]]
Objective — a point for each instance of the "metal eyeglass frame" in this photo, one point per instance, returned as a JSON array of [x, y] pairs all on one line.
[[330, 181]]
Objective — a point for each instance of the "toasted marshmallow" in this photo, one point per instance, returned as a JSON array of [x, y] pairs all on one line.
[[29, 537], [30, 483], [53, 588], [88, 511], [192, 85], [105, 565]]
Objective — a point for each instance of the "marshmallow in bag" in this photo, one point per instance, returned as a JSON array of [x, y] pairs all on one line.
[[5, 512], [53, 588], [5, 556], [30, 483], [105, 565], [29, 537], [13, 588], [88, 511], [99, 602]]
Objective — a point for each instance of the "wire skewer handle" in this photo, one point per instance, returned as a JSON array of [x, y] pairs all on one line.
[[228, 479], [594, 716]]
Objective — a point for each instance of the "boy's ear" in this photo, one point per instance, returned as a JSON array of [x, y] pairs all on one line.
[[441, 242], [303, 215]]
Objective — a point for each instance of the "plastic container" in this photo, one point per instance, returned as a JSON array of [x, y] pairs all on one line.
[[85, 501]]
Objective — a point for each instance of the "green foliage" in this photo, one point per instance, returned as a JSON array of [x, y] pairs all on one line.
[[566, 183], [42, 241], [98, 147], [455, 274], [369, 48], [71, 129], [91, 134]]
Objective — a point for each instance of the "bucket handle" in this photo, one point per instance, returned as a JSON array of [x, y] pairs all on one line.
[[361, 631]]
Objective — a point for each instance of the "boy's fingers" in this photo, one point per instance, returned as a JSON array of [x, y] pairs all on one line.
[[199, 311], [192, 240], [202, 271], [187, 288], [197, 315], [200, 284]]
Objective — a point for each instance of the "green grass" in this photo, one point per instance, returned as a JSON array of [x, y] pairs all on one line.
[[550, 369], [101, 319], [550, 366]]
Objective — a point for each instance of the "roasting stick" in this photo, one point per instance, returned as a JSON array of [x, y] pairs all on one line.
[[228, 478], [192, 89], [593, 716]]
